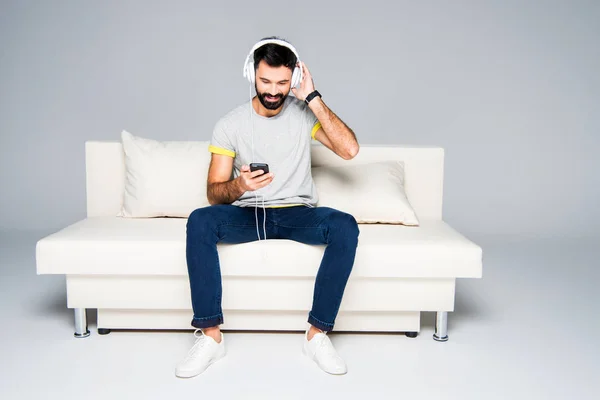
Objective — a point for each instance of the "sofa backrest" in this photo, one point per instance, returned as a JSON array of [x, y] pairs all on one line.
[[424, 174]]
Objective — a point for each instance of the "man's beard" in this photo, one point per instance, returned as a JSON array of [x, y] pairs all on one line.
[[270, 105]]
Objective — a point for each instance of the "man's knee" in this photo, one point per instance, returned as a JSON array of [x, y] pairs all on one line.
[[201, 220], [343, 224]]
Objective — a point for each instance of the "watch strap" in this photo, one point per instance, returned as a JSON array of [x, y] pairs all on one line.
[[312, 95]]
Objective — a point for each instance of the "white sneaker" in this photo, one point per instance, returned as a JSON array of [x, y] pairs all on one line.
[[321, 351], [202, 354]]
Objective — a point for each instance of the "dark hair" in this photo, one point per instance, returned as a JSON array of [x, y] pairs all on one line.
[[275, 55]]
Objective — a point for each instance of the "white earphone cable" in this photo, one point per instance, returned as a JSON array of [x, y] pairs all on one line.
[[255, 192]]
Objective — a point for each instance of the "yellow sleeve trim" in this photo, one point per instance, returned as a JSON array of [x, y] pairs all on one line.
[[284, 205], [220, 150], [315, 129]]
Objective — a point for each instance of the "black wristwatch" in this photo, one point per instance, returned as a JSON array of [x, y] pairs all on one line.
[[311, 96]]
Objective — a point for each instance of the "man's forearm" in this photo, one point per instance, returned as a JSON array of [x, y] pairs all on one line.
[[339, 134], [224, 192]]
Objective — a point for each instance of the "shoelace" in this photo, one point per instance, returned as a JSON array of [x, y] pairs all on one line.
[[199, 345], [326, 344]]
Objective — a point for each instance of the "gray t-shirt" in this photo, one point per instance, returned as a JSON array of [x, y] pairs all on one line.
[[282, 141]]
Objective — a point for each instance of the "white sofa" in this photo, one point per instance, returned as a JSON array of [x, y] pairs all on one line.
[[134, 272]]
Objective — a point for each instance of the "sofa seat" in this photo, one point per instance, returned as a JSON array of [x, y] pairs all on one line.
[[156, 246]]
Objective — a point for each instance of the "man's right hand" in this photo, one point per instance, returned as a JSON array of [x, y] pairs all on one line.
[[251, 181]]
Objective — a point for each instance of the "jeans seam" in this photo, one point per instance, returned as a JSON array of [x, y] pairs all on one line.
[[205, 318], [299, 227], [318, 320], [236, 225]]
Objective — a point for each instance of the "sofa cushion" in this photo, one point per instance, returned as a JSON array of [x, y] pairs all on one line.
[[163, 178], [372, 192], [157, 246], [168, 179]]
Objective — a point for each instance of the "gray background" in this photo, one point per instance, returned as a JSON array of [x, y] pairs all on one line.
[[509, 88]]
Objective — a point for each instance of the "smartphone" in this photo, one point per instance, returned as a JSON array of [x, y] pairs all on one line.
[[257, 166]]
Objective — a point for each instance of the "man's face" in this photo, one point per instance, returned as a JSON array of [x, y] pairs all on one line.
[[272, 85]]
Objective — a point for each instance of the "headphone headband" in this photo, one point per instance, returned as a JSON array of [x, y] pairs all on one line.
[[274, 41]]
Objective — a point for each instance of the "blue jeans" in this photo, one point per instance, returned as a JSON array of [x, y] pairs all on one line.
[[226, 223]]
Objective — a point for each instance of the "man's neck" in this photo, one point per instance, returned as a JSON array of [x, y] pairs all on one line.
[[265, 112]]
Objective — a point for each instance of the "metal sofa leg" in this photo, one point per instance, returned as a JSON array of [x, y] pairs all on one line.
[[441, 327], [81, 328]]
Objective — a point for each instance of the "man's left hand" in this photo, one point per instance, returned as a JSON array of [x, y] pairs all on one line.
[[307, 86]]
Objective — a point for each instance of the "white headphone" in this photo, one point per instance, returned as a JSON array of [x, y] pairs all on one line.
[[249, 64]]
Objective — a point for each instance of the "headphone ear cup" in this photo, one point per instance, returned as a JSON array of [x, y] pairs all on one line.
[[250, 71], [295, 77]]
